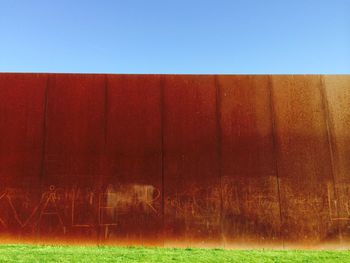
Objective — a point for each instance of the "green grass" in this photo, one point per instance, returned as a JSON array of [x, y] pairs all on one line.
[[28, 253]]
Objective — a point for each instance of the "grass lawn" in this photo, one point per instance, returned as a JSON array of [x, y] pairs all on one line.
[[28, 253]]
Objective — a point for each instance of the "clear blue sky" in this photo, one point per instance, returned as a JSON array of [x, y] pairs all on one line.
[[175, 36]]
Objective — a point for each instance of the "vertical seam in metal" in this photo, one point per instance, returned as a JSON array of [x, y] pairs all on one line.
[[275, 152], [219, 151], [162, 152], [330, 136], [43, 154]]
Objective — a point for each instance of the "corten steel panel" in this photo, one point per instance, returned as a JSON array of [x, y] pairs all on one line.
[[251, 212], [337, 91], [191, 164], [133, 181], [74, 148], [304, 163], [22, 103], [102, 148]]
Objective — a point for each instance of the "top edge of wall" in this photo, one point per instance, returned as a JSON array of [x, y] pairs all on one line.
[[161, 74]]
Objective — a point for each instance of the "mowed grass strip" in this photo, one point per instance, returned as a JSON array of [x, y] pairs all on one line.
[[91, 254]]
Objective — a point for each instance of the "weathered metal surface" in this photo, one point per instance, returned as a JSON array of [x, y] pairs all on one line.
[[75, 120], [175, 159], [337, 90], [74, 147], [303, 159], [249, 177], [133, 178], [22, 102], [191, 160]]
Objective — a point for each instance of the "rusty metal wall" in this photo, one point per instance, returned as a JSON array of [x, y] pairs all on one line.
[[22, 104], [303, 158], [132, 182], [175, 160], [337, 93], [251, 212], [191, 160]]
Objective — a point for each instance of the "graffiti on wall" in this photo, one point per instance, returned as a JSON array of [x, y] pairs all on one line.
[[339, 201], [231, 206], [75, 207]]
